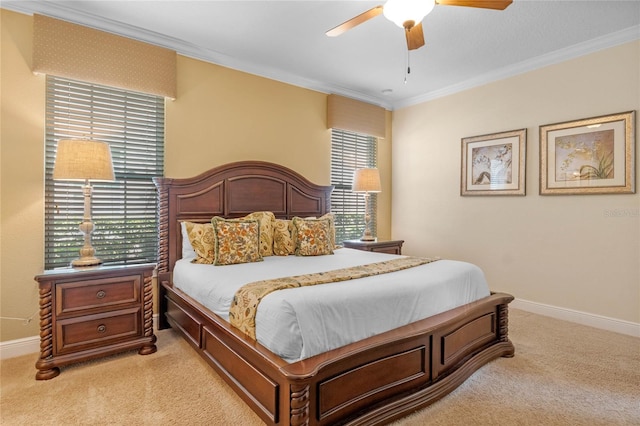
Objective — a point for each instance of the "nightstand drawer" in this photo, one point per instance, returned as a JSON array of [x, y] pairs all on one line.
[[379, 246], [77, 297], [80, 333], [393, 249]]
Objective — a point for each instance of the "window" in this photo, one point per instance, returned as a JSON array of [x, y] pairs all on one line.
[[124, 212], [351, 151]]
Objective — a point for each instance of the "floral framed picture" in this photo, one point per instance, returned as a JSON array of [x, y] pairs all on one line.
[[588, 156], [494, 164]]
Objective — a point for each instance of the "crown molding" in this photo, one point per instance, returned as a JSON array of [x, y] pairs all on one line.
[[56, 10], [558, 56]]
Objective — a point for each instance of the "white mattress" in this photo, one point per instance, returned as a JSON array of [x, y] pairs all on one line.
[[301, 322]]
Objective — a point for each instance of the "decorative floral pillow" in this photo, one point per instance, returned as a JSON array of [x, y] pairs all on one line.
[[282, 242], [236, 240], [312, 236], [332, 228], [266, 220]]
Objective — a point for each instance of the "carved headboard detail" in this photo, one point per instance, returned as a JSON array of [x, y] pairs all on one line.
[[232, 190]]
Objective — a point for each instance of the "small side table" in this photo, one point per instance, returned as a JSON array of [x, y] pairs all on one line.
[[87, 313], [380, 246]]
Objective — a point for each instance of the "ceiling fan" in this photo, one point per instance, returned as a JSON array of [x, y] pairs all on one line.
[[408, 14]]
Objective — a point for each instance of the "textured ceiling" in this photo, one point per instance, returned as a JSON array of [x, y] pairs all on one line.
[[286, 41]]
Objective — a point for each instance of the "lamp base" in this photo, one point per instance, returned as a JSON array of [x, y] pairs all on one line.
[[87, 252], [86, 261], [367, 235]]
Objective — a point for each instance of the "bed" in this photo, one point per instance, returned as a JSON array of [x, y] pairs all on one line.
[[370, 381]]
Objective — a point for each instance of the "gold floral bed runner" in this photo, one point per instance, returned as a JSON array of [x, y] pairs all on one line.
[[242, 313]]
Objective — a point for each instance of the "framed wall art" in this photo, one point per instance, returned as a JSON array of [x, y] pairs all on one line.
[[588, 156], [494, 164]]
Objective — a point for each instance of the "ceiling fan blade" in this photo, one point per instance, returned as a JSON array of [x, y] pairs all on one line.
[[484, 4], [357, 20], [415, 37]]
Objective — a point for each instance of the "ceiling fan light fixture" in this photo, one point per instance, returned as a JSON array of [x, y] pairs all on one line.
[[401, 11]]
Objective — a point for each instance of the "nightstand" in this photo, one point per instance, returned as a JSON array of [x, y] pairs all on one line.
[[87, 313], [380, 246]]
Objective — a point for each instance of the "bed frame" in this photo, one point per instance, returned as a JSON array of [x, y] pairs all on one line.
[[372, 381]]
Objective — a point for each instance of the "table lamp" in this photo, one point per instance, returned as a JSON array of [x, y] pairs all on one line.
[[84, 160], [367, 181]]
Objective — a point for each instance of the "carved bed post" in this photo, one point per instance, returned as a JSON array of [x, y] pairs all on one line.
[[299, 404], [503, 326], [163, 223], [148, 315], [162, 268]]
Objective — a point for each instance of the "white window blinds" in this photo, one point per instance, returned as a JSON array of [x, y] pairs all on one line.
[[124, 212], [351, 151]]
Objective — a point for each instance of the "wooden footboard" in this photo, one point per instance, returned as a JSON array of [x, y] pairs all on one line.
[[373, 381]]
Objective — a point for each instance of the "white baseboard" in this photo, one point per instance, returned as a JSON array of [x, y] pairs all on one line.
[[19, 347], [584, 318]]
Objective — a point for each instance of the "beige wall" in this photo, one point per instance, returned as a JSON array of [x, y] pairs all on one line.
[[220, 115], [22, 182], [579, 252]]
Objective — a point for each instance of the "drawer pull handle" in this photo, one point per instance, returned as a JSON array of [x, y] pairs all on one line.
[[102, 328], [101, 294]]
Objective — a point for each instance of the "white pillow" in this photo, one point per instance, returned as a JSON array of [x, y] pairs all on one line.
[[187, 249]]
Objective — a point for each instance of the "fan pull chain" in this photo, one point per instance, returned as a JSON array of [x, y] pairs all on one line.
[[406, 76]]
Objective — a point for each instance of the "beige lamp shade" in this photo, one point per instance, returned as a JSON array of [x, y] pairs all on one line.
[[83, 160], [366, 180]]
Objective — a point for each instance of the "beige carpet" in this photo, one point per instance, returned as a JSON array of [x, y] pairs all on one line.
[[562, 374]]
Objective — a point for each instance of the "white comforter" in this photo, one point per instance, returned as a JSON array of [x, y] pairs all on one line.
[[302, 322]]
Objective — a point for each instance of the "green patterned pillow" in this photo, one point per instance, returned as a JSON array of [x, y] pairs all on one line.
[[236, 241], [266, 220], [202, 241], [282, 242], [312, 236]]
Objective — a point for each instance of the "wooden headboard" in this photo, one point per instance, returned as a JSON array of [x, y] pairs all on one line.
[[232, 190]]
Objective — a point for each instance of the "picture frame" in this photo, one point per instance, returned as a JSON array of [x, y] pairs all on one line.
[[588, 156], [494, 164]]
